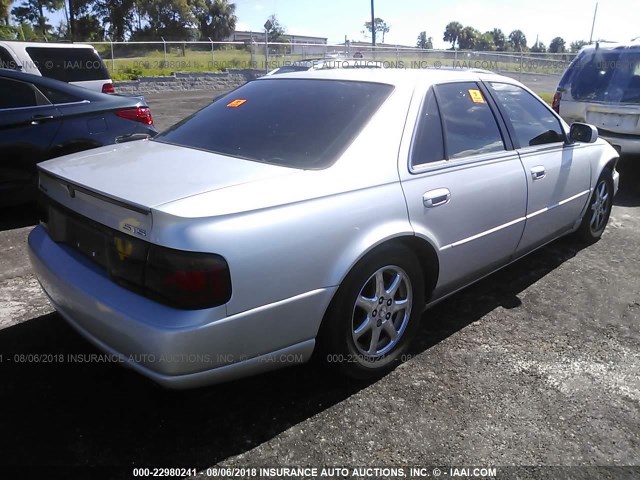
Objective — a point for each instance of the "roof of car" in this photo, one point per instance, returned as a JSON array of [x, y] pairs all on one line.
[[396, 76], [16, 43], [73, 90]]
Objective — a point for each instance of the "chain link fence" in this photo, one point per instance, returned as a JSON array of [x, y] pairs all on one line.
[[130, 60]]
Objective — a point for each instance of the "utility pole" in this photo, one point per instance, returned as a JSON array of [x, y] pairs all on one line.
[[72, 21], [373, 27], [593, 24]]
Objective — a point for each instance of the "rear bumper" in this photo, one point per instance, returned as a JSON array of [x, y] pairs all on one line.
[[625, 144], [176, 348]]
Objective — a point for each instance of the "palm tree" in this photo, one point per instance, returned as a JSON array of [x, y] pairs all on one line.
[[518, 40], [216, 18], [452, 33]]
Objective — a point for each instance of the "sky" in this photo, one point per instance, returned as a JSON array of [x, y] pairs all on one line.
[[616, 20]]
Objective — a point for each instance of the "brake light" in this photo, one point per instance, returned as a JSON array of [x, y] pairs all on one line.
[[138, 114], [187, 280], [108, 88], [555, 104]]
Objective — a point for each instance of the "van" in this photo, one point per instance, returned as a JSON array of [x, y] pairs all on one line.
[[602, 87], [77, 64]]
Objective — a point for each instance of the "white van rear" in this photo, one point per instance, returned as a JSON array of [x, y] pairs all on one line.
[[72, 63]]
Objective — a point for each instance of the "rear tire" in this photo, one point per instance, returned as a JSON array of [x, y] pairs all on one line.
[[596, 216], [374, 314]]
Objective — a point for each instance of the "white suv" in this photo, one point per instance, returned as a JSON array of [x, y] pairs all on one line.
[[72, 63], [602, 87]]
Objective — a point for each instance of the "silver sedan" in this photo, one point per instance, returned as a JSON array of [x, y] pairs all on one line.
[[310, 212]]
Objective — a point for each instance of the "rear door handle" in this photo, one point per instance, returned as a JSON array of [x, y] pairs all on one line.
[[437, 197], [538, 172]]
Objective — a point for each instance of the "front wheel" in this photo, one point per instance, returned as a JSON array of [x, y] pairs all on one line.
[[375, 313], [596, 217]]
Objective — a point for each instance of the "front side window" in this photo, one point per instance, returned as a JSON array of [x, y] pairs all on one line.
[[427, 143], [298, 123], [470, 127], [15, 94], [532, 121]]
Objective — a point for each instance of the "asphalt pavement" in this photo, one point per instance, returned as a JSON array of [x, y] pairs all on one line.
[[537, 364]]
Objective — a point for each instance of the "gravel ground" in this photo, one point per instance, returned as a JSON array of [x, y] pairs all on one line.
[[535, 365]]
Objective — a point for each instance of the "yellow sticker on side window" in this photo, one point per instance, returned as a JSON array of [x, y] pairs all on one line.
[[236, 103], [476, 96]]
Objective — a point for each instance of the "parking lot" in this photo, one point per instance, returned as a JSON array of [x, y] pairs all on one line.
[[534, 365]]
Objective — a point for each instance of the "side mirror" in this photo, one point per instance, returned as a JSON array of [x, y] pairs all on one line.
[[583, 132]]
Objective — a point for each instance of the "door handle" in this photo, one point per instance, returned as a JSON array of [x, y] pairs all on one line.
[[437, 197], [36, 119], [538, 172]]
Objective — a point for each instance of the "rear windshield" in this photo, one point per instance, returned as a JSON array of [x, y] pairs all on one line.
[[69, 64], [607, 76], [300, 123]]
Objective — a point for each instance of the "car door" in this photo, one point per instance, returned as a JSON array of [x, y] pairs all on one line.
[[558, 175], [28, 124], [464, 185]]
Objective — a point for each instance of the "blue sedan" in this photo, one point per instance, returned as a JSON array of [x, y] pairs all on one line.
[[42, 118]]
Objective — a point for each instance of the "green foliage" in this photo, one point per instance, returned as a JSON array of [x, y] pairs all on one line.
[[8, 32], [380, 26], [518, 40], [452, 33], [275, 33], [576, 46], [216, 18], [499, 39], [424, 41], [539, 47], [557, 45], [33, 12], [485, 42], [468, 38]]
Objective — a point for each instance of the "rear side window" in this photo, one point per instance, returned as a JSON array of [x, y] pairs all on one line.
[[15, 94], [69, 64], [299, 123], [470, 127], [6, 59], [532, 122], [58, 97], [607, 75], [428, 144]]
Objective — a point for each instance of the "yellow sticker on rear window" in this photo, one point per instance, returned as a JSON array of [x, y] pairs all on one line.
[[476, 96], [236, 103]]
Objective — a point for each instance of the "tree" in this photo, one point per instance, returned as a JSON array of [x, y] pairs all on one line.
[[32, 12], [380, 26], [276, 32], [539, 47], [5, 6], [557, 45], [576, 46], [468, 38], [216, 18], [168, 19], [485, 42], [452, 32], [499, 39], [517, 40], [118, 15], [424, 41]]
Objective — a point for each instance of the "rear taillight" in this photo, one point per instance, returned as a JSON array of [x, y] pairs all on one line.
[[138, 114], [187, 280], [555, 104], [108, 88], [180, 279]]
